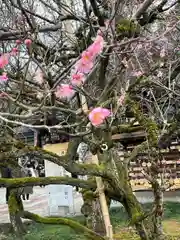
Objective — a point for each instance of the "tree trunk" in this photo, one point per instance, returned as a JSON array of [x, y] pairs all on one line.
[[98, 225], [150, 227], [15, 208], [147, 226], [158, 205], [135, 212], [92, 212]]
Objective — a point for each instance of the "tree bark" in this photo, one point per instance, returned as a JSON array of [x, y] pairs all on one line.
[[92, 212], [135, 212], [15, 208], [158, 205], [98, 225], [138, 218], [148, 226]]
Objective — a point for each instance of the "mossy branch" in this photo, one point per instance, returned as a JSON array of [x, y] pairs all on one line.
[[33, 181], [125, 128], [72, 167], [148, 124], [63, 221], [14, 203], [138, 149]]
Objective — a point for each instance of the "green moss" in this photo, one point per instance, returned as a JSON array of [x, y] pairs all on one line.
[[87, 195], [127, 28], [125, 128], [138, 149], [15, 204], [64, 221], [126, 235], [132, 206], [148, 124], [21, 182], [95, 167], [12, 204]]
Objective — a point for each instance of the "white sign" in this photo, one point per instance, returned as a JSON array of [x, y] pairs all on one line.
[[60, 197]]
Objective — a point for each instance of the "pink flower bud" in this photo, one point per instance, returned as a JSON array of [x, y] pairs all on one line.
[[3, 77], [27, 42], [99, 32], [4, 60], [18, 41], [64, 91], [14, 51]]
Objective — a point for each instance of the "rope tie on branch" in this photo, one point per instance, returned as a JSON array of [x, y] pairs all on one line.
[[104, 147]]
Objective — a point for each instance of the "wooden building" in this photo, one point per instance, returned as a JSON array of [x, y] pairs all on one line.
[[169, 164]]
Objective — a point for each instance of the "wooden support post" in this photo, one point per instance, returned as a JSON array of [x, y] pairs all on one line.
[[103, 202], [100, 187]]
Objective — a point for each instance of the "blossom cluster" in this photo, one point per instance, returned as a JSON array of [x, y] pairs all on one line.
[[82, 67], [4, 58]]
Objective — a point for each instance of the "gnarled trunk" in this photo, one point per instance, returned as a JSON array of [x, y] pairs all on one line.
[[158, 212], [135, 212], [15, 208], [147, 226], [92, 212]]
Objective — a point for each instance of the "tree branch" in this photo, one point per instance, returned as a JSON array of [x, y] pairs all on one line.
[[144, 6], [50, 28], [79, 169], [126, 128], [64, 221], [33, 181], [97, 12]]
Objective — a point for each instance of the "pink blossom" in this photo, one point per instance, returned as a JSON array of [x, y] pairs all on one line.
[[77, 79], [64, 91], [18, 41], [98, 115], [137, 74], [95, 49], [87, 56], [4, 60], [3, 77], [14, 51], [39, 78], [27, 42], [83, 66], [99, 39], [97, 46]]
